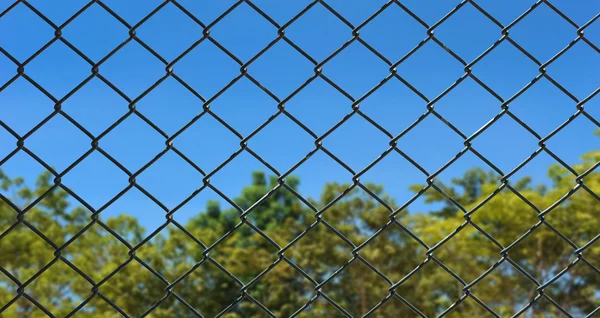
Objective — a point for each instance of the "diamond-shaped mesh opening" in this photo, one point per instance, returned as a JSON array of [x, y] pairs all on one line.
[[317, 172], [468, 114], [135, 205], [254, 253], [172, 119], [95, 169], [14, 30], [208, 289], [170, 253], [381, 33], [207, 69], [394, 253], [318, 106], [21, 98], [357, 142], [283, 290], [282, 216], [506, 216], [30, 253], [58, 69], [356, 79], [71, 143], [129, 62], [431, 133], [550, 37], [363, 288], [430, 69], [97, 244], [540, 175], [233, 106], [437, 289], [467, 182], [511, 69], [393, 106], [57, 217], [244, 32], [178, 31], [95, 22], [133, 130], [468, 245], [272, 69], [578, 280], [498, 289], [98, 113], [529, 254], [243, 170], [57, 289], [467, 33], [393, 176], [203, 206], [330, 31], [25, 174], [560, 145], [506, 150], [357, 215], [170, 179], [211, 219], [575, 220], [291, 141], [544, 97], [432, 231], [207, 134], [425, 200], [319, 253], [134, 289], [568, 67]]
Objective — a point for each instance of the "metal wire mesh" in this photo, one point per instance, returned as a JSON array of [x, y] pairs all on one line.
[[170, 67]]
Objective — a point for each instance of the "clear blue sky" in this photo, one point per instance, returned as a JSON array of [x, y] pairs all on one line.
[[281, 70]]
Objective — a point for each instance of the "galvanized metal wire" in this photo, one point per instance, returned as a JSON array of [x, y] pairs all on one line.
[[170, 67]]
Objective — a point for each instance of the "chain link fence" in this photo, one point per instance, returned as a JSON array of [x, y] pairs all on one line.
[[320, 213]]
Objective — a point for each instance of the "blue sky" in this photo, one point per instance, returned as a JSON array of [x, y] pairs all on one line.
[[282, 69]]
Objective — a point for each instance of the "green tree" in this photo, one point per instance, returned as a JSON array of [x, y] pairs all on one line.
[[327, 248]]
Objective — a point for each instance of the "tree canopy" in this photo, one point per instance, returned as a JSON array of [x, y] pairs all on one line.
[[214, 257]]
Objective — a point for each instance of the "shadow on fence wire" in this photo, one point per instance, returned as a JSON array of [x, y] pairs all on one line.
[[495, 245]]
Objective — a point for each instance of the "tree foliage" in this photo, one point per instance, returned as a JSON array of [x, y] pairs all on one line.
[[326, 248]]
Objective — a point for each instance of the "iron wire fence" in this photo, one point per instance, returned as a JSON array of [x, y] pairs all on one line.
[[319, 72]]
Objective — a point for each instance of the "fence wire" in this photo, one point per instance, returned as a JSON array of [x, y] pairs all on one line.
[[355, 110]]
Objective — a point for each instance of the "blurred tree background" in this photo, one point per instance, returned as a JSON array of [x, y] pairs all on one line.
[[316, 255]]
